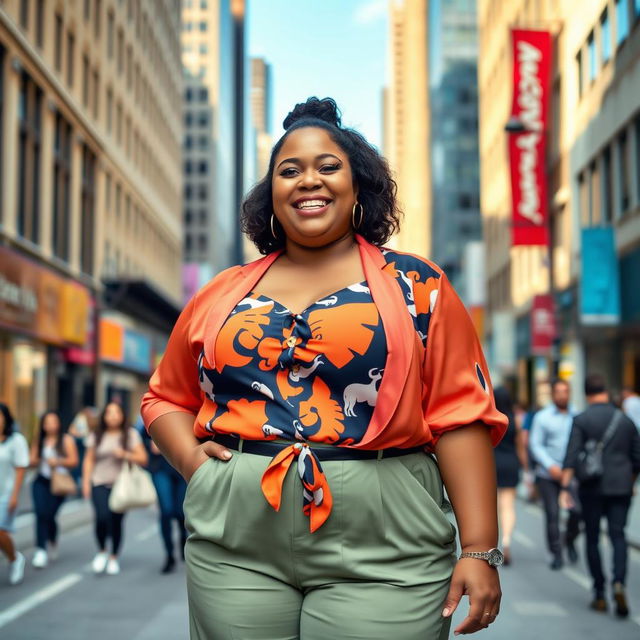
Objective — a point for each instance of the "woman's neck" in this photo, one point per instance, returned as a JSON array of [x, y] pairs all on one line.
[[302, 256]]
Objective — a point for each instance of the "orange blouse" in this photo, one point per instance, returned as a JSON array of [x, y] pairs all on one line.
[[435, 377]]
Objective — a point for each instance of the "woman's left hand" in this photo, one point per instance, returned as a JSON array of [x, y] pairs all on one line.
[[119, 453], [477, 579]]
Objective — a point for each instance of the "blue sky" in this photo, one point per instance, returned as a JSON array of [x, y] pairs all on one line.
[[334, 48]]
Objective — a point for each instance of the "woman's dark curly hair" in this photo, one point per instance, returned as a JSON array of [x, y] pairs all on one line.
[[376, 187]]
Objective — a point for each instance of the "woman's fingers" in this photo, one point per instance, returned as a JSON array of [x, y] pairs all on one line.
[[215, 450], [453, 598], [483, 611]]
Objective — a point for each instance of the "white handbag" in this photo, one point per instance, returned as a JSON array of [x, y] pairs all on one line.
[[132, 489]]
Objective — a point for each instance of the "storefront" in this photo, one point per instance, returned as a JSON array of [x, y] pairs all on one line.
[[41, 315]]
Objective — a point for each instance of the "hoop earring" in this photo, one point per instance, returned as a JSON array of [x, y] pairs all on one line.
[[273, 232], [353, 215]]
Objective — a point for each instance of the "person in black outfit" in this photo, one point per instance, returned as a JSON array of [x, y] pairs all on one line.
[[171, 488], [610, 495], [509, 455]]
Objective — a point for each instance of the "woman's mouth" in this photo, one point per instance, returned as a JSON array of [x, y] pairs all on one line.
[[312, 207]]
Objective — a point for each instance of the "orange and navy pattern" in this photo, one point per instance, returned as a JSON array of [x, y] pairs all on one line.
[[307, 377]]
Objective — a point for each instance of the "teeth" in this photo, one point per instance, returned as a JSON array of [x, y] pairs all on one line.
[[312, 204]]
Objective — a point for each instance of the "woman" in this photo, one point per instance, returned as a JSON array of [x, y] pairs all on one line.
[[510, 456], [14, 460], [170, 487], [54, 450], [112, 443], [318, 354]]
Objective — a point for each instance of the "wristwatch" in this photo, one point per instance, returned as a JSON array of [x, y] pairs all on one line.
[[494, 557]]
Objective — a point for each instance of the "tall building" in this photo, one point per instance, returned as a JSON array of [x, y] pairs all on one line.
[[592, 174], [262, 112], [455, 199], [90, 197], [407, 136], [213, 58]]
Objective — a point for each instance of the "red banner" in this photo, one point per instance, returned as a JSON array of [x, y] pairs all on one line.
[[543, 325], [527, 148]]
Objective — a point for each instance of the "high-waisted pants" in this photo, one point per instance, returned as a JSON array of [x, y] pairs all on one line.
[[379, 568]]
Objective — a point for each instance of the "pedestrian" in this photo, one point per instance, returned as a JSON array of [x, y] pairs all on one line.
[[548, 441], [14, 460], [170, 487], [346, 360], [54, 451], [608, 493], [631, 405], [510, 458], [83, 423], [107, 448]]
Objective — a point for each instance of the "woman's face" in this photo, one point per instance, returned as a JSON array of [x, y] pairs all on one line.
[[113, 415], [313, 190], [51, 424]]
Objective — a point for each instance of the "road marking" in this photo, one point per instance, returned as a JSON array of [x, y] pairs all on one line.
[[540, 609], [38, 598], [147, 533], [524, 540], [579, 578]]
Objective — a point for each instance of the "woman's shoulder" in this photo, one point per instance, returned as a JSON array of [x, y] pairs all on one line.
[[410, 263]]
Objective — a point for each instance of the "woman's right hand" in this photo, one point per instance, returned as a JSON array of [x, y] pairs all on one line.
[[200, 455], [86, 490]]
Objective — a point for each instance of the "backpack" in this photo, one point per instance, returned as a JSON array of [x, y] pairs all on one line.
[[590, 466]]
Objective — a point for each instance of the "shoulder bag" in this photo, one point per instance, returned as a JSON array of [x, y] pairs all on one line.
[[133, 489], [589, 466], [62, 483]]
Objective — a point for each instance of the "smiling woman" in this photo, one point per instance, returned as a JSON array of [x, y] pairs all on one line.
[[354, 364]]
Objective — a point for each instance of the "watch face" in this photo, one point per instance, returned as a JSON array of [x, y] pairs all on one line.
[[495, 558]]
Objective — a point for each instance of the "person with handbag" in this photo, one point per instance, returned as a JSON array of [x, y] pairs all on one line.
[[604, 454], [55, 454], [107, 449]]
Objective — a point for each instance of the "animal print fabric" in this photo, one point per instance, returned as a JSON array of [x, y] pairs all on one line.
[[307, 377]]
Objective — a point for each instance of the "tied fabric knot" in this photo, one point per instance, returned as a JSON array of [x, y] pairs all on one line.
[[317, 499]]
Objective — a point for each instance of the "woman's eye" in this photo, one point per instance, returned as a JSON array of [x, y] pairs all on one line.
[[288, 172], [330, 167]]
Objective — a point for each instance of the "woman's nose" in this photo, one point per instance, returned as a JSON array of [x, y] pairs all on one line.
[[310, 179]]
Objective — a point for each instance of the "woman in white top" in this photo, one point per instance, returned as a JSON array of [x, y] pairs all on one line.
[[14, 459], [112, 443], [54, 450]]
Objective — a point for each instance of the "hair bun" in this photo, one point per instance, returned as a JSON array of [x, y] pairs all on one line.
[[325, 109]]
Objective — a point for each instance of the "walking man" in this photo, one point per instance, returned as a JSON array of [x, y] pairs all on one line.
[[548, 442], [607, 493]]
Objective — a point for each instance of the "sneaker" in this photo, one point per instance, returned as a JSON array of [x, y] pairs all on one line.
[[16, 569], [40, 559], [622, 609], [99, 563], [113, 567]]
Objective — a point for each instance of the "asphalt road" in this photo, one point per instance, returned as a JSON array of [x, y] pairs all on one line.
[[66, 601]]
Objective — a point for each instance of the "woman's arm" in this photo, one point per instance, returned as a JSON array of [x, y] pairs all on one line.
[[137, 454], [173, 434], [13, 500], [34, 454], [70, 459], [87, 471], [466, 461]]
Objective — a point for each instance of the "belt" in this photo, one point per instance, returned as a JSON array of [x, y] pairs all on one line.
[[317, 498]]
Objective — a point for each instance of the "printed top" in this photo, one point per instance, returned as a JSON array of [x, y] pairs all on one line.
[[392, 361]]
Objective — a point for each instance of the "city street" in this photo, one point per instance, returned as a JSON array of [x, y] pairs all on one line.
[[67, 601]]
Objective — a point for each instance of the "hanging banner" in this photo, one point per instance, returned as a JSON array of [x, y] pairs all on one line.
[[527, 148], [600, 278], [543, 325]]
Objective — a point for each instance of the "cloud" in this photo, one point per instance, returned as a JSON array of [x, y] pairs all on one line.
[[370, 11]]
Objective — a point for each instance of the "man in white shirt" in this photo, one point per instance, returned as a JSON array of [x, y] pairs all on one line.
[[631, 405]]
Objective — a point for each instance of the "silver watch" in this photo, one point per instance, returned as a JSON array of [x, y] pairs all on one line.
[[494, 556]]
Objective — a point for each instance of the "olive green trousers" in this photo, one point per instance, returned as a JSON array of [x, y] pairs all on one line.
[[378, 568]]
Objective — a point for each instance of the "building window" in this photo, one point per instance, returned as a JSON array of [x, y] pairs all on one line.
[[622, 21], [202, 242], [607, 187], [204, 49], [204, 94], [110, 30], [87, 210], [203, 118], [187, 192], [583, 191], [187, 243], [40, 23], [593, 58], [29, 114], [119, 123], [96, 94], [58, 27], [202, 168], [96, 18], [120, 52], [605, 31], [187, 216], [203, 216], [188, 142], [129, 67], [87, 10], [24, 14], [623, 173], [70, 55], [594, 194], [203, 26], [203, 142], [203, 193], [61, 188], [109, 109], [188, 95], [85, 80], [187, 166]]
